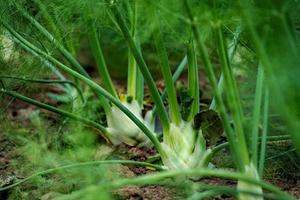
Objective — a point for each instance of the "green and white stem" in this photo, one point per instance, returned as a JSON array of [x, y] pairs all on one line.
[[231, 52], [235, 107], [184, 146]]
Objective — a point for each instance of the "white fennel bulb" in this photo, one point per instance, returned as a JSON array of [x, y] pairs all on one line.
[[251, 171], [184, 147], [122, 129]]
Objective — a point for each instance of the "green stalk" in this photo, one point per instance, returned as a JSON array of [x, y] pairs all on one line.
[[135, 80], [132, 76], [141, 64], [83, 164], [166, 71], [193, 80], [249, 168], [94, 86], [55, 110], [256, 114], [235, 148], [132, 67], [175, 77], [179, 69], [264, 134], [231, 52], [160, 177], [140, 87], [135, 83], [97, 52], [233, 97], [213, 104], [57, 44], [48, 82]]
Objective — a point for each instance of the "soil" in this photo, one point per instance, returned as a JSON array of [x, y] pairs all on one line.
[[7, 173], [146, 193]]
